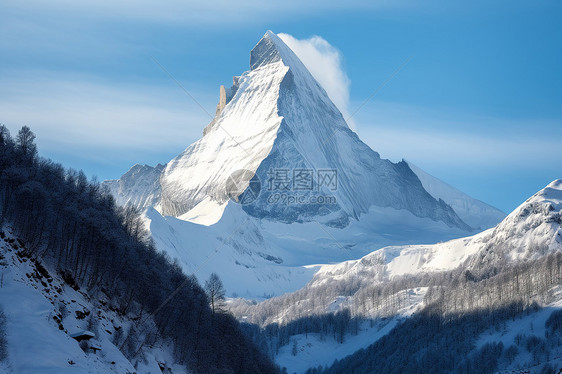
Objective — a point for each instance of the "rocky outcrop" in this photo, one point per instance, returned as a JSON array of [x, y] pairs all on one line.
[[225, 95]]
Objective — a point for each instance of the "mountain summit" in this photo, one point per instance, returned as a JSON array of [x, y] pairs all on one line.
[[276, 120], [279, 182]]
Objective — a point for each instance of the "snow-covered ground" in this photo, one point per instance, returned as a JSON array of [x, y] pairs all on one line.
[[312, 351], [256, 257], [39, 335], [516, 331]]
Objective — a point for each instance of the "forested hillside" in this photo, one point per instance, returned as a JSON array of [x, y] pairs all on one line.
[[430, 308], [73, 227], [455, 310], [443, 337]]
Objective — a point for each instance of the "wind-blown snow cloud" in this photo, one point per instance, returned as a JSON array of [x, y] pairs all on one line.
[[325, 62]]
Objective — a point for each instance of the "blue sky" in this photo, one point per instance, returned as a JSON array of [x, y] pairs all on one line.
[[479, 104]]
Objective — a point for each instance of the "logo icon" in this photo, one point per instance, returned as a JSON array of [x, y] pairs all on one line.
[[243, 187]]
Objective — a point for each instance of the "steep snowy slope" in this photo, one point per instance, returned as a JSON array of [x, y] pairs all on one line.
[[529, 232], [475, 213], [280, 119], [43, 312]]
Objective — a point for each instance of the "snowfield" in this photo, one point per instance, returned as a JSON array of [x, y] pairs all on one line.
[[257, 258]]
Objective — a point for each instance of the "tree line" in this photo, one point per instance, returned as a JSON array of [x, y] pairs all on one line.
[[459, 308], [477, 295]]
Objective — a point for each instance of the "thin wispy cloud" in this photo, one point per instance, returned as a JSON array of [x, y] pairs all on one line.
[[220, 12], [430, 137], [81, 113]]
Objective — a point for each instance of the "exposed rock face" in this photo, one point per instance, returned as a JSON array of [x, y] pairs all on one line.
[[225, 95], [220, 107], [222, 101]]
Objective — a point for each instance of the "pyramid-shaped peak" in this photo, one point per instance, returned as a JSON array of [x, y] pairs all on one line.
[[280, 119], [271, 49]]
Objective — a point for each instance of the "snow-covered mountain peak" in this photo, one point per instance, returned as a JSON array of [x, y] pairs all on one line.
[[530, 231], [271, 49], [138, 187], [543, 205], [278, 123], [266, 51]]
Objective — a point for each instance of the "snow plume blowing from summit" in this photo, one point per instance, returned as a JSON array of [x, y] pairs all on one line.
[[325, 63]]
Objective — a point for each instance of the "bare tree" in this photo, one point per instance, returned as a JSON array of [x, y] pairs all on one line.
[[216, 292]]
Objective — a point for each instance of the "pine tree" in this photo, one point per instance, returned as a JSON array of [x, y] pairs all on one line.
[[25, 142]]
